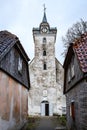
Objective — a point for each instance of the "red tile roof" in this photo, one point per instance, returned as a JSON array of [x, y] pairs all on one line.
[[80, 47]]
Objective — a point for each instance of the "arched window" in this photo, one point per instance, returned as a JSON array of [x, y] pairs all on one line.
[[44, 66], [44, 52], [44, 40]]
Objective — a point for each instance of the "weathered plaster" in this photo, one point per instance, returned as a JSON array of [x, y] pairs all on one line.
[[13, 100]]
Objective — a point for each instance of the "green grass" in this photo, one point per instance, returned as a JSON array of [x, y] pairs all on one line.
[[32, 123]]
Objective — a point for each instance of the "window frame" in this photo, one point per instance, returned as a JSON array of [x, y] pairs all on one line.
[[69, 74], [71, 70], [20, 65]]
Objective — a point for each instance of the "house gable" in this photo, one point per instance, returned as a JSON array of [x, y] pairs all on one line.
[[13, 59], [72, 70]]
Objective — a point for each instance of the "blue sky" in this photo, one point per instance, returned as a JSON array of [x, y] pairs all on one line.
[[20, 16]]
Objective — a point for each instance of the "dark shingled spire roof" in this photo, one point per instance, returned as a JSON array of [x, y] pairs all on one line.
[[44, 18]]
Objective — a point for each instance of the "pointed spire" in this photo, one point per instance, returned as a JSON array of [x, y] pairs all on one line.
[[44, 17]]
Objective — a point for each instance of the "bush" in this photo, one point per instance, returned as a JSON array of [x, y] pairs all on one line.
[[62, 120]]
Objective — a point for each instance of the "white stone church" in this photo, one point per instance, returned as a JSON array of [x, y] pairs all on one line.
[[46, 74]]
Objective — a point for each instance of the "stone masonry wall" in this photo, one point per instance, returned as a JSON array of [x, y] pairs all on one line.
[[61, 99], [45, 81], [79, 96]]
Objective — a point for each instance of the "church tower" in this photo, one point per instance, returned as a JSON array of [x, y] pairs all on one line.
[[46, 73]]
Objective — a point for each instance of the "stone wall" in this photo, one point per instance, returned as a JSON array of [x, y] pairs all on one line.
[[14, 103], [46, 84], [79, 95], [49, 81], [61, 100]]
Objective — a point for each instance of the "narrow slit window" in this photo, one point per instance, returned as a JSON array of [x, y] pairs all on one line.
[[44, 52], [44, 40], [44, 66]]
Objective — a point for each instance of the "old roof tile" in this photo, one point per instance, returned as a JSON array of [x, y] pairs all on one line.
[[6, 41], [80, 47]]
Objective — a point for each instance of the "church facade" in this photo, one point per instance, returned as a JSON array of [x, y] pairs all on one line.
[[46, 74]]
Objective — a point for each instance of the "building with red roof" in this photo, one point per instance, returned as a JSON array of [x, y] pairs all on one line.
[[75, 84]]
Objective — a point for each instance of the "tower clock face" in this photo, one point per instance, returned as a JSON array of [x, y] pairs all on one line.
[[44, 29]]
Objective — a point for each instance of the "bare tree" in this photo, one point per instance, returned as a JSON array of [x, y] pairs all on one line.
[[73, 33]]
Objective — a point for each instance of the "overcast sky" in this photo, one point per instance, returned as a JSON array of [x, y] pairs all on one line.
[[20, 16]]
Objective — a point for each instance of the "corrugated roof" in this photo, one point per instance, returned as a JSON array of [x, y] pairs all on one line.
[[80, 47]]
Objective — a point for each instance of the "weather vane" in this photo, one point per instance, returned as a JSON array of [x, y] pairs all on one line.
[[44, 8]]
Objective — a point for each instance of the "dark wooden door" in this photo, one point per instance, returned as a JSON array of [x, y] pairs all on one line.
[[47, 109], [73, 110]]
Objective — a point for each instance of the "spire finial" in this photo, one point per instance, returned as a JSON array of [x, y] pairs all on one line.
[[44, 17], [44, 8]]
